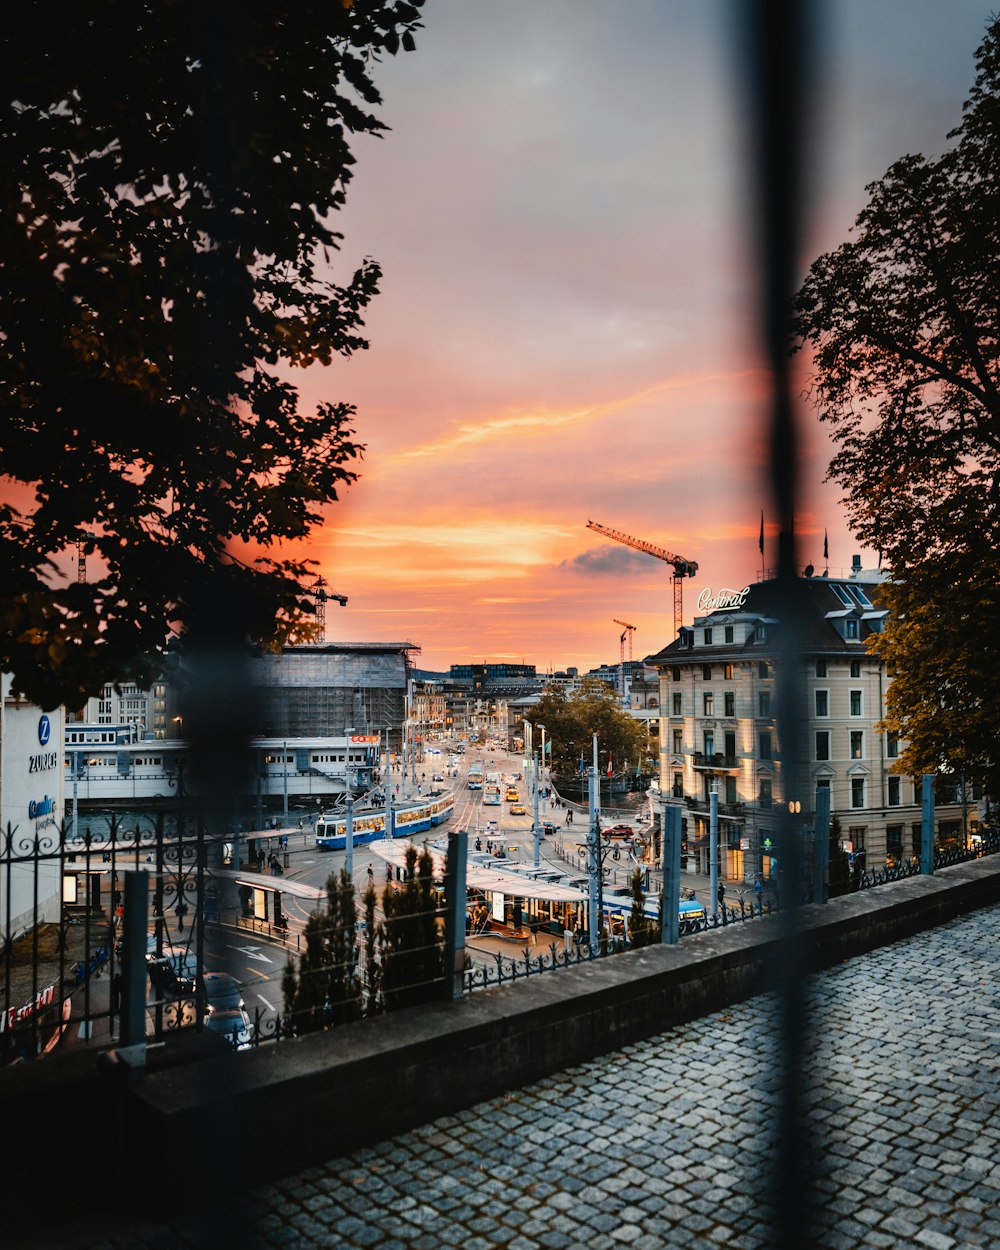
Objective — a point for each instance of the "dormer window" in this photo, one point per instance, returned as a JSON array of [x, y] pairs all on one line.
[[708, 637], [850, 628]]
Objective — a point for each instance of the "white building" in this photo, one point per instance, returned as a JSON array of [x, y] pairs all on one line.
[[718, 729], [31, 812]]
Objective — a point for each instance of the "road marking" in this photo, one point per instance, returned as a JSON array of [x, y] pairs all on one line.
[[269, 1006], [251, 953]]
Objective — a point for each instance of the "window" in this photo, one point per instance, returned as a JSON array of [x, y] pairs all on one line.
[[731, 790], [857, 744], [855, 668], [856, 833], [894, 791], [821, 668], [727, 672], [678, 789], [708, 700], [677, 703], [709, 738], [822, 783], [823, 744], [708, 637], [894, 840], [764, 703], [729, 633], [678, 741], [855, 702], [730, 750], [765, 797], [729, 701], [822, 702], [762, 669], [675, 673], [759, 633], [706, 672], [764, 745], [850, 629], [892, 746], [857, 792]]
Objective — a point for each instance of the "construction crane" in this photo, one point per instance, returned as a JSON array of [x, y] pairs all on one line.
[[322, 594], [627, 632], [682, 568]]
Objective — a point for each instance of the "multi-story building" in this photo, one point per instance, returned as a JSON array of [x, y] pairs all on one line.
[[149, 713], [718, 729]]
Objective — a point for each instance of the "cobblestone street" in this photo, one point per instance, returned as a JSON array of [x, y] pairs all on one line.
[[666, 1144]]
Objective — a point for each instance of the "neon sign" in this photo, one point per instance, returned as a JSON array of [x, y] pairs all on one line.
[[707, 602]]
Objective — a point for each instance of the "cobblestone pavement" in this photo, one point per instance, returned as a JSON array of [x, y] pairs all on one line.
[[667, 1143]]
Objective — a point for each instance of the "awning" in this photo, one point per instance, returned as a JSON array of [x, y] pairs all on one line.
[[489, 880], [262, 881]]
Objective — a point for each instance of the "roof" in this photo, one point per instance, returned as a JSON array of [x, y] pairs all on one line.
[[823, 605], [499, 880]]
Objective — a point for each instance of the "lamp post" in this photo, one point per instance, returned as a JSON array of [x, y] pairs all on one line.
[[542, 774]]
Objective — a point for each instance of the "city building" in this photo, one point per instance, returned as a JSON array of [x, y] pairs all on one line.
[[718, 729], [31, 812]]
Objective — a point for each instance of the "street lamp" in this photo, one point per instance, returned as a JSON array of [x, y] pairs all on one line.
[[542, 728]]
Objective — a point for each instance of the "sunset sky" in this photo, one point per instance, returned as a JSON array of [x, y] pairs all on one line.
[[566, 329]]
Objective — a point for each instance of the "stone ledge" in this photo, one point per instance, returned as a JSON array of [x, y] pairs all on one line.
[[333, 1092]]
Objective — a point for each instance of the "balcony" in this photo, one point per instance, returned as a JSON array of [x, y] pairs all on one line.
[[716, 762], [736, 810]]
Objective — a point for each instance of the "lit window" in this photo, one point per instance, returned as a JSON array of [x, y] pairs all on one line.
[[727, 672], [857, 744], [708, 699]]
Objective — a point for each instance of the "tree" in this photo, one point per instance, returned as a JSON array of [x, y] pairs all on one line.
[[902, 323], [413, 958], [639, 926], [570, 723], [167, 198], [324, 990]]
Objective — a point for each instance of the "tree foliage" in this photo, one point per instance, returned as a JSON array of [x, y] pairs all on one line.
[[902, 325], [324, 990], [168, 191], [413, 947], [571, 721]]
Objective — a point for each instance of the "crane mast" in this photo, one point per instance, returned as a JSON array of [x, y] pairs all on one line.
[[322, 595], [627, 632], [682, 567]]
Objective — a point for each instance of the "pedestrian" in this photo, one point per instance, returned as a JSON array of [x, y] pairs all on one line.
[[388, 873], [371, 875], [479, 844], [569, 818], [721, 895]]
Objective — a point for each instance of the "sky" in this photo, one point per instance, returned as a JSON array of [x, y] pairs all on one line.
[[567, 324]]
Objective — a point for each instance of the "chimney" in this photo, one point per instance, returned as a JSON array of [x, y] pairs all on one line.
[[855, 565]]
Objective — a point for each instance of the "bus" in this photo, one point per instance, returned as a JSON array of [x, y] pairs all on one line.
[[491, 794], [476, 777]]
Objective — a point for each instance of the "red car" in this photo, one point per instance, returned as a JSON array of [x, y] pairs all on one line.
[[620, 831]]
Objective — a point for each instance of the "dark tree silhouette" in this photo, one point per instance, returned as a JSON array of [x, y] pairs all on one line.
[[168, 188]]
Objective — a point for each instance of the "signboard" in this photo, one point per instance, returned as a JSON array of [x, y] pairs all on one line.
[[367, 739], [498, 902], [734, 599], [744, 844]]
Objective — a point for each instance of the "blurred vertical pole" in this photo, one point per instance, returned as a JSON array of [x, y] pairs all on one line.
[[135, 919], [671, 898], [455, 893], [927, 824], [778, 72], [821, 882], [713, 850], [349, 838]]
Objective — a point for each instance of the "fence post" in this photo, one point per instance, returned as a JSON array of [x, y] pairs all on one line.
[[927, 824], [135, 920], [671, 898], [454, 917], [821, 847]]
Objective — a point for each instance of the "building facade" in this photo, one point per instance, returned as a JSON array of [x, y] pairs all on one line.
[[718, 731]]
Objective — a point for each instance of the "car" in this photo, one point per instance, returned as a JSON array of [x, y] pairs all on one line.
[[620, 831], [233, 1026], [221, 992], [438, 777], [548, 826], [518, 809]]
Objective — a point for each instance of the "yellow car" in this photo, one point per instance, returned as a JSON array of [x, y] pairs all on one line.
[[518, 809]]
